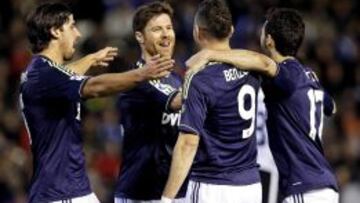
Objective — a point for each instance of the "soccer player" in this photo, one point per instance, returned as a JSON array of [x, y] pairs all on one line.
[[150, 113], [296, 104], [50, 96], [217, 139]]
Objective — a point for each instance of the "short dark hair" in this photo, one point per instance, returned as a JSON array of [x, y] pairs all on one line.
[[214, 16], [40, 22], [144, 13], [287, 29]]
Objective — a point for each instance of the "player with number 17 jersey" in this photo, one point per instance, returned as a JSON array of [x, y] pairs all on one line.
[[296, 105], [220, 107]]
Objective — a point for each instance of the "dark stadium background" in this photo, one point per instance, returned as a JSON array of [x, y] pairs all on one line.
[[331, 47]]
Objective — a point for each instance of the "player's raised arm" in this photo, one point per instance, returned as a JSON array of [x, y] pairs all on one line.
[[107, 84], [243, 59], [183, 156], [99, 58]]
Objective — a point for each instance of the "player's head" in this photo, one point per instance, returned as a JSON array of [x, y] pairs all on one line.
[[283, 31], [153, 28], [213, 22], [52, 23]]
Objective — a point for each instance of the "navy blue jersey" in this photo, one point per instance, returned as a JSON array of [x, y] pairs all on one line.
[[150, 133], [220, 106], [296, 105], [50, 102]]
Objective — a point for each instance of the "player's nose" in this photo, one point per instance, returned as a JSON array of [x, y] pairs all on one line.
[[165, 33], [78, 33]]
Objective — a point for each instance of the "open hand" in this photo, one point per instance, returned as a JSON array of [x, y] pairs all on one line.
[[198, 61], [157, 67], [104, 56]]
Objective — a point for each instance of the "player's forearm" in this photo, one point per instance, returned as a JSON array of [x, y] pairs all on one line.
[[183, 156], [108, 84], [246, 60], [82, 65]]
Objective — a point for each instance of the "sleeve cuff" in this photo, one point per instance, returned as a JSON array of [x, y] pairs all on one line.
[[169, 100], [188, 129], [82, 87]]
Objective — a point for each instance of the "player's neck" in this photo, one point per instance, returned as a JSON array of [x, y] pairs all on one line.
[[218, 46], [53, 53], [145, 56], [278, 58]]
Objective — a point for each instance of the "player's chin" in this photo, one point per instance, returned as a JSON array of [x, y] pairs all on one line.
[[69, 55], [167, 52]]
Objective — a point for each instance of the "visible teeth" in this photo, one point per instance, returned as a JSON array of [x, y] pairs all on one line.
[[165, 44]]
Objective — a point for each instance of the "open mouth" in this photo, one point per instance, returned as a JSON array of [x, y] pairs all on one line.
[[165, 44]]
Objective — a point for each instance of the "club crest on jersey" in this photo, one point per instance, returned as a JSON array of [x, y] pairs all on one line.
[[164, 88]]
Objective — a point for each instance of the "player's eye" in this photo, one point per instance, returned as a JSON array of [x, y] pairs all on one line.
[[156, 29]]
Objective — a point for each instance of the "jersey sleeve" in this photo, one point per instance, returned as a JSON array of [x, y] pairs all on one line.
[[194, 108], [160, 92], [56, 84], [329, 104], [286, 79]]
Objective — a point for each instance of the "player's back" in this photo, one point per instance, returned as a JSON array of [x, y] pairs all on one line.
[[220, 106], [49, 101], [296, 105]]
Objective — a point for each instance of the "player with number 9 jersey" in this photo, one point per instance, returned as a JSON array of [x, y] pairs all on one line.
[[222, 112], [217, 143]]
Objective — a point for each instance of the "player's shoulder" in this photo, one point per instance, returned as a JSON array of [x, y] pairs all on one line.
[[46, 67], [34, 70], [293, 69], [203, 78], [210, 71], [292, 65]]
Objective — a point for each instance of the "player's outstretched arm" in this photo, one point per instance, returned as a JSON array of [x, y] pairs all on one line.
[[182, 159], [107, 84], [243, 59], [99, 58]]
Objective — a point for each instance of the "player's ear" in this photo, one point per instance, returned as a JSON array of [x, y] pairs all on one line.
[[55, 32], [199, 33], [231, 31], [139, 37], [269, 41], [196, 32]]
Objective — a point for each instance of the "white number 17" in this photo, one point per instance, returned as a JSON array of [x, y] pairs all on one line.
[[315, 97]]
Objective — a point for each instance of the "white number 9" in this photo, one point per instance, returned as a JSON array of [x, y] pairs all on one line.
[[250, 113]]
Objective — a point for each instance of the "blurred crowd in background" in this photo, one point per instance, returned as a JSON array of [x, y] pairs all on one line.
[[331, 48]]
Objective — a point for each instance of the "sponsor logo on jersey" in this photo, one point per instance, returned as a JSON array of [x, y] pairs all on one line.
[[170, 118]]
